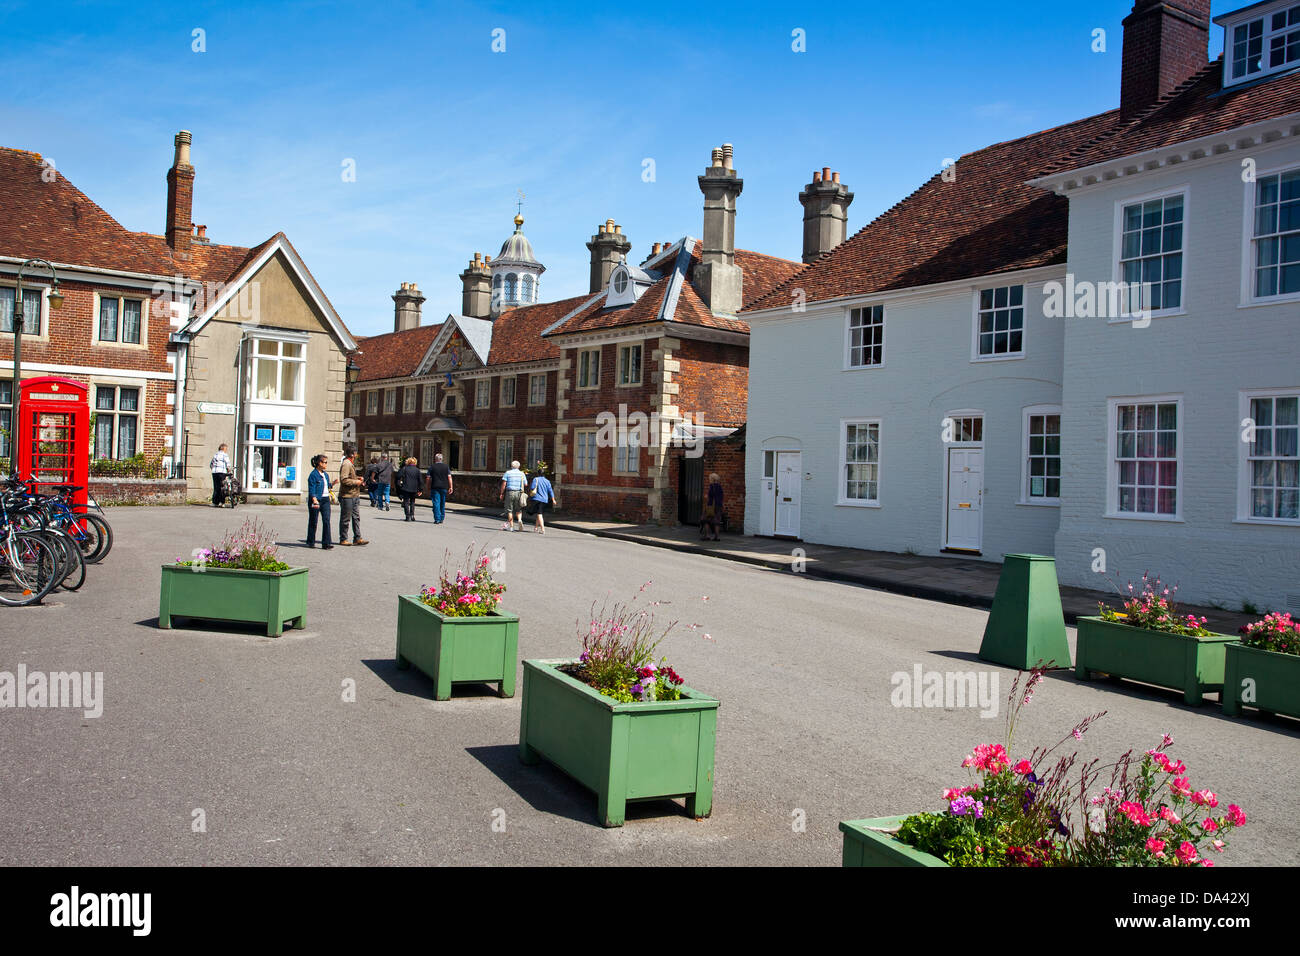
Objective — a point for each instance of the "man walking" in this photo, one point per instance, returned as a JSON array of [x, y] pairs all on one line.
[[371, 488], [350, 498], [383, 481], [220, 468], [512, 492], [439, 487]]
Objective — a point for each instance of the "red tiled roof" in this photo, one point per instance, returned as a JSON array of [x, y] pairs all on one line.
[[1199, 107], [517, 334], [988, 220], [394, 354], [761, 273]]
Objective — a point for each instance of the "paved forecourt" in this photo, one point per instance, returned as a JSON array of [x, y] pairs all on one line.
[[256, 733]]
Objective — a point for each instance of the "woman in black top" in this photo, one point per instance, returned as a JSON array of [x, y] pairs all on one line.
[[409, 481], [711, 519]]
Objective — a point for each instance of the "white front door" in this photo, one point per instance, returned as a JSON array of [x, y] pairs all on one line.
[[789, 482], [965, 497]]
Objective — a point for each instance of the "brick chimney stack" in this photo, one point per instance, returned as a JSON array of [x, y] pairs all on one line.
[[825, 203], [180, 197], [607, 246], [476, 288], [718, 279], [406, 312], [1165, 42]]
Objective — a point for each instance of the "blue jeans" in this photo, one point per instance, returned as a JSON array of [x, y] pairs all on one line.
[[381, 493], [321, 514], [439, 504], [374, 495]]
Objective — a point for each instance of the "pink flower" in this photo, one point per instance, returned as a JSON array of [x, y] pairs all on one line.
[[1209, 826], [1218, 846], [1186, 853], [1135, 812], [989, 757], [1205, 798], [954, 792], [1024, 767], [1175, 768], [1207, 863], [1236, 815], [1180, 787], [1156, 846], [1169, 815]]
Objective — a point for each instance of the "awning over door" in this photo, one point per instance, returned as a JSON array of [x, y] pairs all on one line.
[[445, 425]]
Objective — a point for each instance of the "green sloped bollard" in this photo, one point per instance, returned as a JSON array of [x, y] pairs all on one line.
[[1026, 624]]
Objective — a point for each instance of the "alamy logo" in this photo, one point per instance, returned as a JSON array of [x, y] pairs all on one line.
[[1098, 300], [75, 690], [75, 908], [641, 430], [946, 689]]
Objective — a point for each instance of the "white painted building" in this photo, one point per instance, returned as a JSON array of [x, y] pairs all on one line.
[[925, 387]]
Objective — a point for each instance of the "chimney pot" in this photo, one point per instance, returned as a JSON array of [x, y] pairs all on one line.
[[825, 214], [835, 176], [726, 156], [717, 156], [180, 197], [817, 177], [826, 173]]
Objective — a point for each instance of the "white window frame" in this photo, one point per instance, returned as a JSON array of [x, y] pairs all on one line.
[[1244, 18], [1030, 412], [530, 442], [280, 359], [430, 402], [848, 336], [1112, 463], [1117, 258], [625, 377], [513, 382], [483, 393], [426, 452], [372, 401], [478, 451], [97, 301], [505, 452], [354, 404], [390, 401], [1244, 477], [580, 372], [43, 327], [6, 424], [117, 414], [841, 476], [275, 444], [592, 446], [627, 457], [532, 389], [1248, 254], [975, 355], [408, 400]]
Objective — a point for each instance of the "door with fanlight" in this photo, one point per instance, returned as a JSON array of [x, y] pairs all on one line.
[[965, 499], [789, 485]]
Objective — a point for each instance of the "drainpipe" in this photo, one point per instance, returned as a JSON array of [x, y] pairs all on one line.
[[239, 410]]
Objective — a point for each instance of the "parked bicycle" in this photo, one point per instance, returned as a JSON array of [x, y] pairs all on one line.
[[231, 491], [31, 563]]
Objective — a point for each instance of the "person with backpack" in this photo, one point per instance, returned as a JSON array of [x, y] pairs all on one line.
[[383, 481], [220, 468]]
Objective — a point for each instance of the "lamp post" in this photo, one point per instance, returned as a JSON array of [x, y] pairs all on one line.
[[56, 301], [353, 373]]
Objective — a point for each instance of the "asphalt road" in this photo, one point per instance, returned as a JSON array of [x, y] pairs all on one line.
[[255, 732]]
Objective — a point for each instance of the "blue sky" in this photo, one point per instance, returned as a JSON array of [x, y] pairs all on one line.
[[444, 131]]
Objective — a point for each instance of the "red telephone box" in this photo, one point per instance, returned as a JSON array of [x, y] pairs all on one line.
[[55, 438]]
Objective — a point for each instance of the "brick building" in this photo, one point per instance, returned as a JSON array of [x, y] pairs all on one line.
[[601, 386], [184, 343]]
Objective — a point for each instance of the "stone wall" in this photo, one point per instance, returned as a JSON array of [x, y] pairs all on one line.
[[138, 491]]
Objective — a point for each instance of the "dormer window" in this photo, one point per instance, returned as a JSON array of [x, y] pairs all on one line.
[[626, 283], [1259, 43]]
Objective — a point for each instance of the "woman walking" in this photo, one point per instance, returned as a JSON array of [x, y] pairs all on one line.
[[318, 502], [409, 480], [711, 519]]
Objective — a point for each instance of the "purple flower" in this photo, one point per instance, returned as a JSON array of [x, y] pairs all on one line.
[[637, 689], [964, 805]]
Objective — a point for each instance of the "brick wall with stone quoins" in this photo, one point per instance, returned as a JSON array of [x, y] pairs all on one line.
[[726, 456], [714, 382]]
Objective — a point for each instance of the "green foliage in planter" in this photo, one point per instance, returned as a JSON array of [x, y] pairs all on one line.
[[1276, 632], [1153, 609]]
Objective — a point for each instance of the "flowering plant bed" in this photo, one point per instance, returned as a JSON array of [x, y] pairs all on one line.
[[1263, 670], [1150, 642], [1044, 811], [618, 723], [240, 581], [454, 633]]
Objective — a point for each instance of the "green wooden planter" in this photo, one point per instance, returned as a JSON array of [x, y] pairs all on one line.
[[621, 751], [1193, 665], [1274, 677], [272, 598], [865, 845], [452, 650]]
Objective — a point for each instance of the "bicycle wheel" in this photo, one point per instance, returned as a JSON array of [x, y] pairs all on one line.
[[74, 564], [27, 569], [86, 533], [105, 536]]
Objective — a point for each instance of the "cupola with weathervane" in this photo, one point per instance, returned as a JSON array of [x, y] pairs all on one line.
[[516, 273]]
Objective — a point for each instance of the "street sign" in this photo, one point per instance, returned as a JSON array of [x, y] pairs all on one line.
[[216, 408]]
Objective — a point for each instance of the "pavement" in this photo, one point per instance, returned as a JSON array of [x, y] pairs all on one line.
[[953, 579], [220, 746]]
